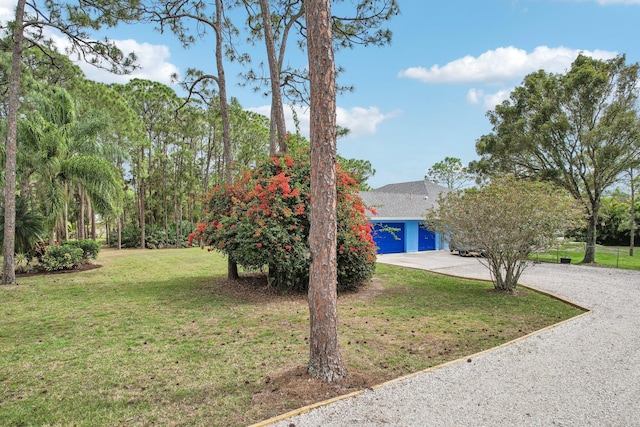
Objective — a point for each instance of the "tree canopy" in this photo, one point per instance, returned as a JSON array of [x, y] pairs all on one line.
[[618, 218], [579, 130], [449, 172]]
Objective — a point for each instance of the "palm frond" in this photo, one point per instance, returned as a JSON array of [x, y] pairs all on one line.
[[29, 229], [52, 194], [99, 178]]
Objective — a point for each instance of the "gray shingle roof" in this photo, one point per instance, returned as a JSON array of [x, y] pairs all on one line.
[[423, 187], [405, 200]]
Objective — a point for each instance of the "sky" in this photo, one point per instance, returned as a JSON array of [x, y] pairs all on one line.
[[425, 96]]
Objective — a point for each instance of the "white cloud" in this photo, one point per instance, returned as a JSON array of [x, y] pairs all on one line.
[[360, 121], [152, 62], [302, 114], [501, 65], [493, 99], [7, 10], [265, 110], [474, 96], [488, 100], [151, 59]]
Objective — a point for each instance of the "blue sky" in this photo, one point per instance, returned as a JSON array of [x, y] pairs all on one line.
[[424, 97]]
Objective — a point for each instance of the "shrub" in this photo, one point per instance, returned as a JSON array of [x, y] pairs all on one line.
[[90, 248], [64, 257], [263, 221], [22, 263], [130, 237], [29, 227], [506, 218], [155, 236]]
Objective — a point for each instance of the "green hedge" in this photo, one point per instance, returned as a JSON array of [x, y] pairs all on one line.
[[64, 257], [69, 254], [90, 248]]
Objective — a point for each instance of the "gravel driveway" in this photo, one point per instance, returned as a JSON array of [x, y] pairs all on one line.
[[584, 372]]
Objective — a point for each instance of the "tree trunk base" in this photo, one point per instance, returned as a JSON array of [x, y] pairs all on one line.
[[232, 270], [327, 374]]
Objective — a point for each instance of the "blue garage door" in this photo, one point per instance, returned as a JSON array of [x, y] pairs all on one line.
[[426, 239], [388, 242]]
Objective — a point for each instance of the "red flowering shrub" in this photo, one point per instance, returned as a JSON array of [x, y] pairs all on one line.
[[263, 221]]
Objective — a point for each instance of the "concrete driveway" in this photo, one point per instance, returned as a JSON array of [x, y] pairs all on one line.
[[443, 262], [583, 372]]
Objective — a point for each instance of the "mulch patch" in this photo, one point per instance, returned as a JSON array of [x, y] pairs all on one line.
[[294, 388], [80, 268]]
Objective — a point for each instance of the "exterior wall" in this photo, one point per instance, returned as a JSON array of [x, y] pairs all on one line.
[[411, 235]]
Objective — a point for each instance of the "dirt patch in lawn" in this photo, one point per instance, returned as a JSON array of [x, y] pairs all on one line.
[[293, 388]]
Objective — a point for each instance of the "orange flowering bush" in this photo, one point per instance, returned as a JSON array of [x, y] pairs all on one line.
[[262, 220]]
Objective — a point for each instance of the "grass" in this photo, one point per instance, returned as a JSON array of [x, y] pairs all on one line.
[[606, 256], [160, 338]]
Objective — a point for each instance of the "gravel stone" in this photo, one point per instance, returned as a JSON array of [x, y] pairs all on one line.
[[583, 372]]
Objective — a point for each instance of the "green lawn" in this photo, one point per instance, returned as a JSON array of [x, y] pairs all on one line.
[[606, 256], [160, 338]]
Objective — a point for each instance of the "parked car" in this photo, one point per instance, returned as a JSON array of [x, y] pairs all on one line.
[[465, 249]]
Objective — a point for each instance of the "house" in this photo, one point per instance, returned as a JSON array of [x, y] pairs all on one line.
[[401, 209]]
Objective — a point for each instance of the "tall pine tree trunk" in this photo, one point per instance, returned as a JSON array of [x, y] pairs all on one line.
[[232, 268], [277, 130], [119, 232], [142, 197], [9, 239], [325, 362], [175, 220]]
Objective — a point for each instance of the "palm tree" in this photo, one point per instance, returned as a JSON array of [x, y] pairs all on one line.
[[59, 154], [29, 226]]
